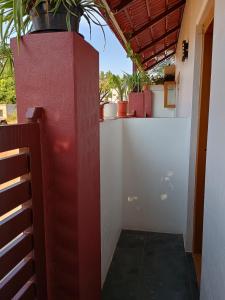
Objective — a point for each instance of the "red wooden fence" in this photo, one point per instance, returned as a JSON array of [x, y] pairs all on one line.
[[22, 238]]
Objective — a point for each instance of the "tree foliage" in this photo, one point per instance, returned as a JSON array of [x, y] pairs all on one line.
[[7, 82], [7, 90], [105, 86], [120, 85]]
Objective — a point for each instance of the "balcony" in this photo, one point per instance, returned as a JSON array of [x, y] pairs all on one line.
[[116, 209]]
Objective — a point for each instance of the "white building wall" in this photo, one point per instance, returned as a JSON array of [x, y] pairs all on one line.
[[188, 73], [155, 177], [111, 189], [213, 276], [148, 159], [185, 70], [213, 260], [159, 111]]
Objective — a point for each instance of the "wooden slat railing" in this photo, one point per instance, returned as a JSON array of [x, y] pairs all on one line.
[[13, 166], [22, 236], [9, 196], [27, 292], [16, 252], [15, 224], [11, 284]]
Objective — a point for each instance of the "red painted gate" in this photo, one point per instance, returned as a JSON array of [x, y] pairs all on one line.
[[22, 238]]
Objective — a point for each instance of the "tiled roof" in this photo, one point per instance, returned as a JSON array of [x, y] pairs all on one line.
[[150, 26]]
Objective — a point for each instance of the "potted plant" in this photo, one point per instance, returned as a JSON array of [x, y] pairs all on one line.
[[120, 85], [145, 81], [135, 95], [24, 16], [134, 82], [104, 92]]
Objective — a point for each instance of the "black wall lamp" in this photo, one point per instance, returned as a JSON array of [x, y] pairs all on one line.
[[185, 47]]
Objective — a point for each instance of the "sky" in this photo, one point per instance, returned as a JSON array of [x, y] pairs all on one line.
[[112, 56]]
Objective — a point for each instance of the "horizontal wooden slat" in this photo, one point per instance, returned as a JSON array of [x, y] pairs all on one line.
[[14, 225], [12, 283], [14, 195], [14, 253], [28, 292], [13, 166], [17, 136]]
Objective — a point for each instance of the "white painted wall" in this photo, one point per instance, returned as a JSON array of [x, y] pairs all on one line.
[[195, 14], [159, 111], [147, 158], [155, 171], [213, 260], [213, 273], [194, 9], [144, 157], [111, 189]]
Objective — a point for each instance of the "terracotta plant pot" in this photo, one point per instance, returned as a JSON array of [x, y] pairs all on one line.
[[122, 109], [145, 87], [101, 112]]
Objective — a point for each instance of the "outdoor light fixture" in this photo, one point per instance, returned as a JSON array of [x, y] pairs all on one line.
[[185, 47]]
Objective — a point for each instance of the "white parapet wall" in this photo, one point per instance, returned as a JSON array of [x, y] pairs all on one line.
[[111, 189], [158, 109], [144, 178], [155, 174]]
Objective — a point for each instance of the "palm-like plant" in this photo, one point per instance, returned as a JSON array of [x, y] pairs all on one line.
[[105, 87], [6, 60], [17, 18], [133, 81], [145, 79], [137, 80], [120, 85], [17, 15]]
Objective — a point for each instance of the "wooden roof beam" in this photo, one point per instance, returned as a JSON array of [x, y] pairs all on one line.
[[159, 52], [158, 18], [158, 62], [122, 5], [162, 37]]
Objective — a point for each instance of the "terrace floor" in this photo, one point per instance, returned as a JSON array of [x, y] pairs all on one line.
[[150, 266]]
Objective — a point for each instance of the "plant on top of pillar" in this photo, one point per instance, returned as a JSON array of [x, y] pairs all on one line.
[[19, 17], [134, 82], [145, 80]]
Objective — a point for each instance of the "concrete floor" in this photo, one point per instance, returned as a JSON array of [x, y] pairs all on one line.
[[150, 266]]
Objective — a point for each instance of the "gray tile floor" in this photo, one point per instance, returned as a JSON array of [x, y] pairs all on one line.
[[150, 266]]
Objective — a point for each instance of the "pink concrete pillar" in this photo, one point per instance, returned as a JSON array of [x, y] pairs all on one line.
[[148, 103], [59, 71], [137, 104]]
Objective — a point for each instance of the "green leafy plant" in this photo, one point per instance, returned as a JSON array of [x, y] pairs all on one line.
[[137, 80], [135, 57], [7, 90], [15, 14], [6, 60], [145, 79], [105, 87], [157, 74], [7, 82], [16, 19], [120, 85], [134, 82]]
